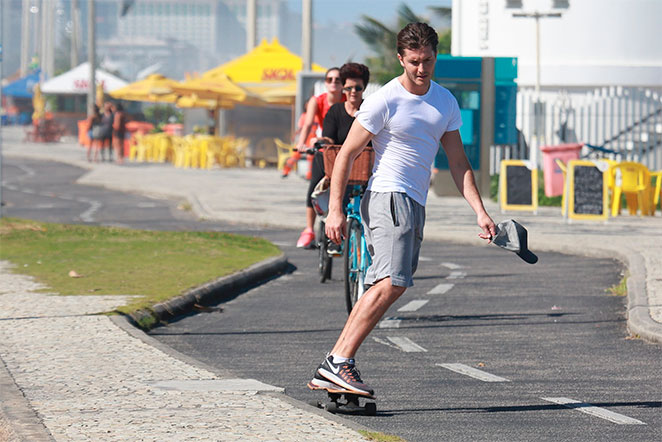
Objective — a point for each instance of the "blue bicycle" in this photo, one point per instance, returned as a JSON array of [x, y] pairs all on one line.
[[356, 257]]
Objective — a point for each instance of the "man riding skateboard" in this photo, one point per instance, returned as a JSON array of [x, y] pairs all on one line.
[[406, 119]]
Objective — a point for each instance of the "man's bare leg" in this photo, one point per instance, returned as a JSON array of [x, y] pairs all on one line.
[[365, 315]]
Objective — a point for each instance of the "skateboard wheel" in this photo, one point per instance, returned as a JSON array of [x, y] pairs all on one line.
[[331, 407], [371, 409]]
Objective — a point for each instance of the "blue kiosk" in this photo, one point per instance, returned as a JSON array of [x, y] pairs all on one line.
[[486, 91]]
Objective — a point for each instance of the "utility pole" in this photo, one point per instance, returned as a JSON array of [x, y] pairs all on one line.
[[251, 22], [75, 32], [91, 55], [306, 34], [25, 37], [538, 127]]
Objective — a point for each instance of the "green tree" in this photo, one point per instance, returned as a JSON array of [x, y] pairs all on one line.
[[382, 40]]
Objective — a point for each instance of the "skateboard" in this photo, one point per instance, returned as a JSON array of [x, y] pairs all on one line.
[[344, 401]]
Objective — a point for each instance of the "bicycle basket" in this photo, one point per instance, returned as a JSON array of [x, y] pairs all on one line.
[[361, 169]]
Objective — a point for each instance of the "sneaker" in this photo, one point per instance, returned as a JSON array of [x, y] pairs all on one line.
[[319, 383], [306, 239], [345, 375], [334, 249]]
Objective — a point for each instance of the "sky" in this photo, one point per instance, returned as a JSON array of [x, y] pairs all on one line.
[[341, 11], [333, 31]]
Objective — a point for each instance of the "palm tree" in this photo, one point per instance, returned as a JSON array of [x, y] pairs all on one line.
[[382, 39]]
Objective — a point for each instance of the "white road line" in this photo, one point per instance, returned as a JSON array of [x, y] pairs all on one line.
[[456, 275], [441, 289], [600, 412], [389, 322], [414, 305], [387, 343], [424, 258], [451, 265], [43, 206], [406, 344], [87, 215], [473, 372], [28, 191]]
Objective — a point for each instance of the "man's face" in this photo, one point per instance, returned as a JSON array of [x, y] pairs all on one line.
[[418, 65]]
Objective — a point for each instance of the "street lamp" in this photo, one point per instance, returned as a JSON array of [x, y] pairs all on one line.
[[537, 108]]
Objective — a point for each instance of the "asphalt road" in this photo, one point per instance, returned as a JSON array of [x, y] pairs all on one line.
[[554, 358]]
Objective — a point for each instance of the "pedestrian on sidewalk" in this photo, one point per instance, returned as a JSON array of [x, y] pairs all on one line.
[[106, 124], [93, 134], [119, 132], [405, 120]]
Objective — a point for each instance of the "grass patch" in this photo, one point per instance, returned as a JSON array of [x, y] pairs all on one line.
[[156, 266], [380, 437], [620, 289]]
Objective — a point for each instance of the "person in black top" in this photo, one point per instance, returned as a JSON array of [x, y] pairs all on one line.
[[354, 78], [107, 131]]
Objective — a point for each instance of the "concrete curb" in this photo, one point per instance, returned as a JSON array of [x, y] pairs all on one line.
[[125, 324], [222, 289], [23, 422]]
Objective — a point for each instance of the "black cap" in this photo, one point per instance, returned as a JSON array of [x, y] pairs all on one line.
[[512, 236]]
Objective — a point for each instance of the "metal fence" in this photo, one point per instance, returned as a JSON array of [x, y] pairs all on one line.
[[623, 123]]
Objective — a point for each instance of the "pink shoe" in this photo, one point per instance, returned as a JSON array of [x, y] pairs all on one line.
[[306, 238]]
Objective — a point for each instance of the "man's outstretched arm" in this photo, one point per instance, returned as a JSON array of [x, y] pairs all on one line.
[[465, 182]]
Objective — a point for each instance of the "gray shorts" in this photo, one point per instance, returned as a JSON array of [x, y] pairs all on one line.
[[393, 225]]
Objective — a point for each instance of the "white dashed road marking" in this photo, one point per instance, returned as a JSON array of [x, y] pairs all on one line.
[[473, 372], [451, 265], [441, 289], [406, 344], [456, 275], [594, 411], [390, 323], [414, 305]]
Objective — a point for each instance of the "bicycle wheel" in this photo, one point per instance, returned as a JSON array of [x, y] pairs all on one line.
[[352, 263], [325, 261]]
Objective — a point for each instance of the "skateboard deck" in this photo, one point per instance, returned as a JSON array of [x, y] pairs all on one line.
[[344, 401]]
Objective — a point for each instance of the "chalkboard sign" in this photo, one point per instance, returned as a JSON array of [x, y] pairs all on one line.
[[518, 186], [587, 190]]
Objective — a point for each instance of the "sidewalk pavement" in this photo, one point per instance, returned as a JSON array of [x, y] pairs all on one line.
[[83, 374]]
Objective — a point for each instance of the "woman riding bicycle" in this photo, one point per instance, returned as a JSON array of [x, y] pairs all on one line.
[[354, 78], [316, 110]]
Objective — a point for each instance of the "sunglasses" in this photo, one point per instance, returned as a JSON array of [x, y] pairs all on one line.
[[332, 79], [349, 88]]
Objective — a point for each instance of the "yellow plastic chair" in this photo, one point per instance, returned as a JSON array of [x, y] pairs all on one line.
[[657, 176], [180, 147], [284, 152], [634, 181], [139, 148]]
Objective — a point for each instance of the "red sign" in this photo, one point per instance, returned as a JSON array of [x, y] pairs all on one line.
[[82, 83], [278, 74]]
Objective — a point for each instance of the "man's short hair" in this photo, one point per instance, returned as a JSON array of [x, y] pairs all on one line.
[[354, 70], [417, 36]]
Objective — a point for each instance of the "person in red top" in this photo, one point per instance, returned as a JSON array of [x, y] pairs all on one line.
[[316, 110]]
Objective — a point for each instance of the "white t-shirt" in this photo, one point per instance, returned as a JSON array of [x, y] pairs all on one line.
[[407, 129]]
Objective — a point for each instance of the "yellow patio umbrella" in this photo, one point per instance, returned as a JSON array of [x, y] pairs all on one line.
[[218, 88], [154, 88], [38, 103], [267, 64], [193, 100], [285, 95]]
